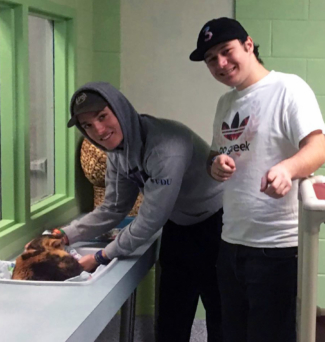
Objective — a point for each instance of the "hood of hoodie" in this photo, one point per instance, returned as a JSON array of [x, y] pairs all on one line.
[[127, 116]]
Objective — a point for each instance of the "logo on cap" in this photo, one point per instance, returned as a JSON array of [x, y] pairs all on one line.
[[207, 33], [80, 99]]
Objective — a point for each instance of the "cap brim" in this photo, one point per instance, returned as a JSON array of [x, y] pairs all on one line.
[[72, 121], [196, 56]]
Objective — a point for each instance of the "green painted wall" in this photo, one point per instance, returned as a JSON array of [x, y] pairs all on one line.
[[97, 59], [291, 38], [107, 42], [98, 40]]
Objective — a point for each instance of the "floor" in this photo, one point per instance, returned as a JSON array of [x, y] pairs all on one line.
[[144, 331]]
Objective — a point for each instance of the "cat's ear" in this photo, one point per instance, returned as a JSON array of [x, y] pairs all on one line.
[[35, 243], [56, 243]]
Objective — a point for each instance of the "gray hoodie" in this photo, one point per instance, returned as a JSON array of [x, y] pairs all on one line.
[[163, 159]]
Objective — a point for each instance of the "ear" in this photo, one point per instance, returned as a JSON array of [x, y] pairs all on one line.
[[57, 243], [249, 44]]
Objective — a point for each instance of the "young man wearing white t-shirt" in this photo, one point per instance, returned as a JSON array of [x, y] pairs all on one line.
[[268, 133]]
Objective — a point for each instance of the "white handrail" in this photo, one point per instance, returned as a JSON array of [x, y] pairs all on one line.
[[311, 215]]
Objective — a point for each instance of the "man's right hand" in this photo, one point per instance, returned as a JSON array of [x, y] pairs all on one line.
[[222, 167]]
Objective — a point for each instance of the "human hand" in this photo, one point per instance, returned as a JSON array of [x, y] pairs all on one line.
[[88, 262], [60, 234], [27, 245], [277, 182], [222, 167]]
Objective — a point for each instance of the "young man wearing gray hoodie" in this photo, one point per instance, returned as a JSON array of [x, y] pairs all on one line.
[[166, 161]]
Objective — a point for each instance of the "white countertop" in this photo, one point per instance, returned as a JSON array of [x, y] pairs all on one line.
[[31, 313]]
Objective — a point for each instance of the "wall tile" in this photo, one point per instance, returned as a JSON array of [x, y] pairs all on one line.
[[260, 31], [303, 39], [84, 66], [316, 75], [288, 65], [317, 10], [320, 291], [85, 5], [107, 67], [321, 171], [84, 34], [107, 26], [70, 3], [321, 259], [272, 9], [321, 102]]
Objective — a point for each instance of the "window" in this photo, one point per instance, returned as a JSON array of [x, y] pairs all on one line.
[[37, 151], [41, 104]]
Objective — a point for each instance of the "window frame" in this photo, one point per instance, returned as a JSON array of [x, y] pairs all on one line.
[[20, 219]]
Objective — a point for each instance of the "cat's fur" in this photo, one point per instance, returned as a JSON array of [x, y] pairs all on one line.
[[46, 259]]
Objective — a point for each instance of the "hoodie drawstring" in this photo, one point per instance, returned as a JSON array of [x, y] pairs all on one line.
[[127, 160], [117, 179], [118, 171]]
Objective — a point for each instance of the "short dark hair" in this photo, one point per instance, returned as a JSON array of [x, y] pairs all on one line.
[[256, 52]]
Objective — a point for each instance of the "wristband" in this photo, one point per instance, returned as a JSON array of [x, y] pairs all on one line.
[[100, 259], [62, 231]]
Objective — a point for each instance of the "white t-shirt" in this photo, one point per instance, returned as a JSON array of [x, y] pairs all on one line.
[[259, 127]]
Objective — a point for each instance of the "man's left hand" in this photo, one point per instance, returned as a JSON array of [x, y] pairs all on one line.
[[277, 182], [88, 262]]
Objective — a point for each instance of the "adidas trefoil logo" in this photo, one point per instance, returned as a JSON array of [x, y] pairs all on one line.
[[236, 130]]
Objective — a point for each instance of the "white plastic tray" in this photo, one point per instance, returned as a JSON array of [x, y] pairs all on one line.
[[101, 270]]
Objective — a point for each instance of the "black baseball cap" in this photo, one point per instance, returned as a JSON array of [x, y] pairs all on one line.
[[217, 31], [86, 101]]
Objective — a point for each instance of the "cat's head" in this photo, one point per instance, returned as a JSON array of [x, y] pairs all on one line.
[[45, 242]]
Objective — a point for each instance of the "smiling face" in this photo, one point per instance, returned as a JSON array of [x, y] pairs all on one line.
[[102, 127], [231, 63]]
